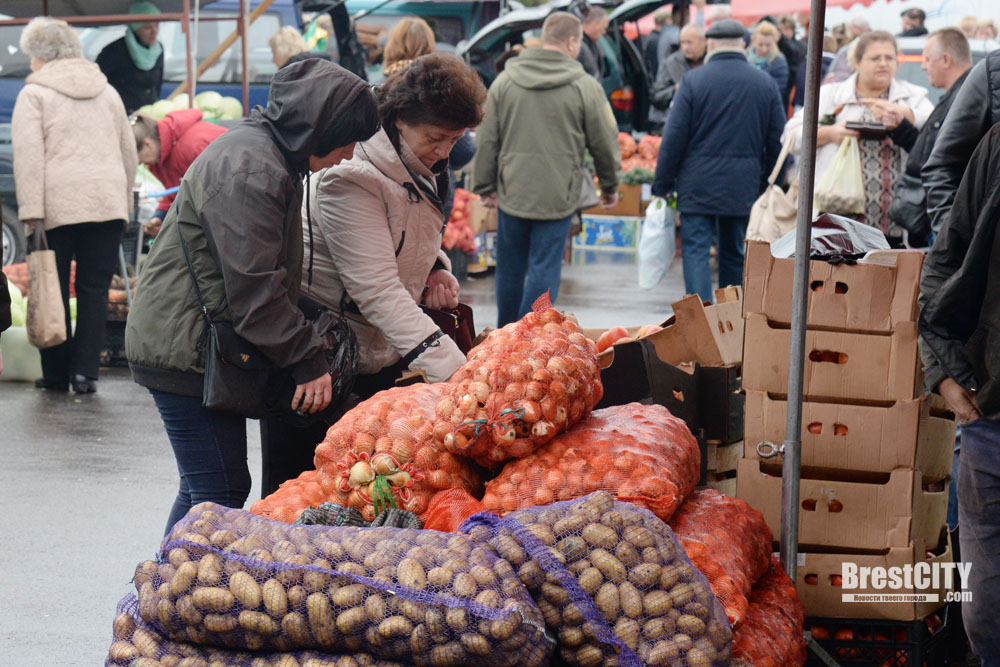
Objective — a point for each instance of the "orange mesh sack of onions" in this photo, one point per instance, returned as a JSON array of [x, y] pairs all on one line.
[[382, 454], [639, 453], [291, 498], [729, 542], [521, 387]]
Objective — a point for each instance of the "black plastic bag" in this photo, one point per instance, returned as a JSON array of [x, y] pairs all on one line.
[[835, 239]]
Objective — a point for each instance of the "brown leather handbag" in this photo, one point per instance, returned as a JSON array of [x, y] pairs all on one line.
[[456, 323]]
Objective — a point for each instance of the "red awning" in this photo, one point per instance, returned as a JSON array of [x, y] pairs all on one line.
[[747, 10]]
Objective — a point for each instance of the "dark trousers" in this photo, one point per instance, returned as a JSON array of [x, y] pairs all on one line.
[[979, 519], [211, 452], [697, 233], [287, 451], [529, 263], [94, 246]]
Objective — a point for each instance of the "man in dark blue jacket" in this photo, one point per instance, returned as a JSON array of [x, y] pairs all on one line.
[[722, 138]]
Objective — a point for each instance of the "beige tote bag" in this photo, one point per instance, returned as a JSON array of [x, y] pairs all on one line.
[[46, 315], [775, 212]]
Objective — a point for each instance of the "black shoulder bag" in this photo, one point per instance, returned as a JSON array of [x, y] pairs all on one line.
[[236, 372]]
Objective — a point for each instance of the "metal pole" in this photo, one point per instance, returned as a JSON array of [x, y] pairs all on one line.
[[244, 29], [189, 57], [792, 447]]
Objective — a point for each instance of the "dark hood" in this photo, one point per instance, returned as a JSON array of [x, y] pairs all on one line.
[[304, 100]]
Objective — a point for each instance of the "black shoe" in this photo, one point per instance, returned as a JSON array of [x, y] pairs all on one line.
[[48, 385], [83, 384]]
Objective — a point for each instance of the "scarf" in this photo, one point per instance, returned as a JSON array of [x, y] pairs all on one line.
[[144, 57]]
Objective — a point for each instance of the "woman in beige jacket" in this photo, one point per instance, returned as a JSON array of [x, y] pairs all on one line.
[[376, 247], [74, 167]]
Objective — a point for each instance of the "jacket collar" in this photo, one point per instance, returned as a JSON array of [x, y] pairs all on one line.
[[726, 54], [845, 91]]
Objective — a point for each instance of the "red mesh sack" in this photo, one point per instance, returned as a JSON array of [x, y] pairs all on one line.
[[382, 454], [729, 541], [639, 453], [771, 634], [291, 498], [521, 387], [449, 509]]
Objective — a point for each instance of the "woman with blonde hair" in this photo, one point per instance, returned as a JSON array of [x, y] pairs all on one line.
[[285, 43], [968, 26], [74, 166], [986, 29], [764, 54], [408, 40]]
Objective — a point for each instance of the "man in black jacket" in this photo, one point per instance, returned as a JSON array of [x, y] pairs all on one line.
[[595, 24], [690, 55], [913, 23], [960, 324], [947, 60], [975, 110]]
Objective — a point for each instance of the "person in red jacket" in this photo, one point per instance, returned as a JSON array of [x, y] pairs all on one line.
[[168, 147]]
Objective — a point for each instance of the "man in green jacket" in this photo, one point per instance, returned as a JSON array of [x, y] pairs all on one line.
[[542, 113]]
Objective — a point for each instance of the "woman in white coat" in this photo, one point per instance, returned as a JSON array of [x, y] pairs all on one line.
[[375, 252], [868, 95]]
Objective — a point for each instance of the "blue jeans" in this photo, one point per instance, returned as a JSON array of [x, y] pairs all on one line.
[[697, 234], [532, 249], [952, 519], [979, 535], [211, 452]]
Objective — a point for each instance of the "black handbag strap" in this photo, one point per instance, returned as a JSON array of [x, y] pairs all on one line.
[[194, 277]]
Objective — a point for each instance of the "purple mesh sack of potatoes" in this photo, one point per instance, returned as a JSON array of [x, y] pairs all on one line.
[[136, 644], [229, 578], [613, 584]]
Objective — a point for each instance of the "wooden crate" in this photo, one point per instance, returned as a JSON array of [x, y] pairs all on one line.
[[723, 458], [723, 482]]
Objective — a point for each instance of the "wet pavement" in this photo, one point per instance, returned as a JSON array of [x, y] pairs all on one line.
[[87, 481]]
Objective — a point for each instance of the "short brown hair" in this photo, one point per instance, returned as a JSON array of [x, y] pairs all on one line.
[[595, 14], [408, 39], [869, 38], [437, 89], [561, 26], [953, 42]]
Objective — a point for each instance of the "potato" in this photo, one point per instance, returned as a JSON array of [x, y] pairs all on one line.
[[123, 651], [609, 566], [395, 626], [410, 573], [246, 590], [296, 627], [597, 535], [210, 570], [212, 599], [351, 621], [631, 600], [607, 601], [220, 622], [275, 598]]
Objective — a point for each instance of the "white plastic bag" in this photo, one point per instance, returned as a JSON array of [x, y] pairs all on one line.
[[656, 243], [842, 188]]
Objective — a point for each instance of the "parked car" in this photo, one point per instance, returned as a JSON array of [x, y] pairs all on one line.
[[624, 76]]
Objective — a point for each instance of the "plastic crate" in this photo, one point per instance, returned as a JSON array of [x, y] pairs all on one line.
[[883, 643]]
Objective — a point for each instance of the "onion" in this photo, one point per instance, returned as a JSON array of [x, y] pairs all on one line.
[[382, 464], [361, 474], [445, 407]]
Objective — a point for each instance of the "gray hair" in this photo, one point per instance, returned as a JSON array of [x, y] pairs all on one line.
[[716, 43], [50, 39], [859, 22], [696, 28]]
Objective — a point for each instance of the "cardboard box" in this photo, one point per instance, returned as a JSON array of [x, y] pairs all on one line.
[[611, 232], [711, 335], [848, 514], [910, 434], [629, 203], [822, 598], [707, 398], [481, 218], [839, 366], [871, 297]]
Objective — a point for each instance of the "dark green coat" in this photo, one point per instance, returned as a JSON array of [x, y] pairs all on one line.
[[238, 209]]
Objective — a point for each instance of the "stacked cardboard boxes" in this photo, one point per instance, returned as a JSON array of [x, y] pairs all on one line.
[[692, 367], [876, 454]]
